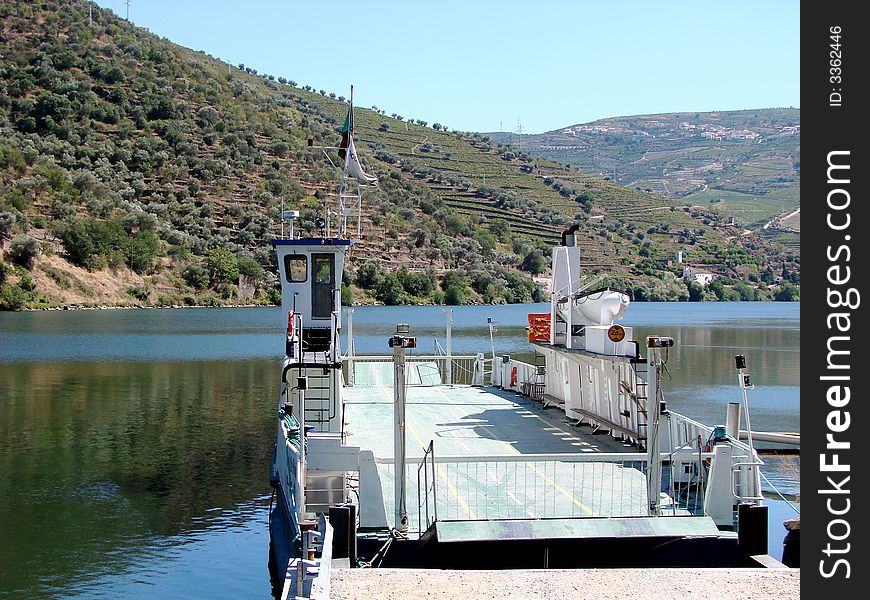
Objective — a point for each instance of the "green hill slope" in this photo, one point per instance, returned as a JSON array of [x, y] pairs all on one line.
[[744, 164], [137, 172]]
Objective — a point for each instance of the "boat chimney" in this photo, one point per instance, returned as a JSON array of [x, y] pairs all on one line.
[[568, 236]]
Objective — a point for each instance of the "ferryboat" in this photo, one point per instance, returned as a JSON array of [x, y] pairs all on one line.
[[478, 461]]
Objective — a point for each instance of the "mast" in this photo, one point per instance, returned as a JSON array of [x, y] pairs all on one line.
[[349, 191]]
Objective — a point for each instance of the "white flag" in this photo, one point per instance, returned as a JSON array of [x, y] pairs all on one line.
[[353, 166]]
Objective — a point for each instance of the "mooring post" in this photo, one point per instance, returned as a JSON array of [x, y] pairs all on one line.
[[398, 343]]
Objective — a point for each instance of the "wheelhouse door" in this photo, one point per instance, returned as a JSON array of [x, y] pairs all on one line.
[[322, 285]]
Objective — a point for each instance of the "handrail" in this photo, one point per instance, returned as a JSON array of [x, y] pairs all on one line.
[[556, 457], [423, 495], [736, 470], [335, 346], [411, 357]]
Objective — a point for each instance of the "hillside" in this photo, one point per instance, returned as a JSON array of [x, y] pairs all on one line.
[[137, 172], [744, 164]]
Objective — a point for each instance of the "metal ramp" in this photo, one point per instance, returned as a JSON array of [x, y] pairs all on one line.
[[453, 532], [578, 543]]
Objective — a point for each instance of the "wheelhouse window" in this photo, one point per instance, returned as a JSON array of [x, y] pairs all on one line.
[[296, 268], [323, 265]]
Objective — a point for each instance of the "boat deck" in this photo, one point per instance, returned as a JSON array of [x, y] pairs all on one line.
[[498, 455]]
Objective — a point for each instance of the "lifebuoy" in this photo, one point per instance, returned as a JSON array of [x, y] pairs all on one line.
[[513, 377]]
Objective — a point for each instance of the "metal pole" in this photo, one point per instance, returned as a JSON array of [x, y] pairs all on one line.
[[491, 344], [399, 441], [351, 378], [745, 384], [570, 325], [449, 368], [653, 411]]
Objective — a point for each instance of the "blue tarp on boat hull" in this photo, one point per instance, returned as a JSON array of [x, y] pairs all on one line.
[[283, 545]]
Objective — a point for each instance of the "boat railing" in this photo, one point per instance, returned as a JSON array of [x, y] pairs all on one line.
[[544, 486], [420, 370], [518, 376], [683, 432], [427, 507]]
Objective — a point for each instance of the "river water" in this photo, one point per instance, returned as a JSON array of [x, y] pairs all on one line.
[[134, 444]]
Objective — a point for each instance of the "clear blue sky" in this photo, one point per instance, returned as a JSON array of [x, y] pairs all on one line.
[[481, 66]]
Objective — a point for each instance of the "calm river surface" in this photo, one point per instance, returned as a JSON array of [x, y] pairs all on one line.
[[134, 444]]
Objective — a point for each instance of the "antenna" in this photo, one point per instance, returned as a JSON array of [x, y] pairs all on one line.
[[128, 9]]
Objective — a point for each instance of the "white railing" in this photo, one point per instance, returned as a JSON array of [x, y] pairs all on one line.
[[425, 370], [679, 435], [682, 433], [512, 487], [521, 377], [536, 486]]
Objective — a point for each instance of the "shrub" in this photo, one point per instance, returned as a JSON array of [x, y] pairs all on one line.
[[500, 228], [223, 266], [416, 284], [140, 250], [87, 242], [390, 291], [368, 275], [92, 244], [455, 295], [23, 250], [787, 292], [12, 297], [196, 276], [7, 222], [140, 293], [26, 283], [696, 292], [346, 295], [534, 262], [250, 268]]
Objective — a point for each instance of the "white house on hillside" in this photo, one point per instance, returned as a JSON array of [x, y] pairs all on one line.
[[702, 277]]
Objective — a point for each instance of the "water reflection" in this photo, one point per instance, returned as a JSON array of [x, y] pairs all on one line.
[[101, 460]]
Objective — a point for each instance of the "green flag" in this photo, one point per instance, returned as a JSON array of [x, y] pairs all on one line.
[[346, 132]]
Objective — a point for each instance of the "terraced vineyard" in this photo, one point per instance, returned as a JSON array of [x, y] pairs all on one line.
[[743, 164]]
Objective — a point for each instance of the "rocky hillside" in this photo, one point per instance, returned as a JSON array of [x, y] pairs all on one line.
[[134, 171]]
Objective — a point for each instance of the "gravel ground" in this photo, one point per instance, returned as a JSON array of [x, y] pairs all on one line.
[[642, 584]]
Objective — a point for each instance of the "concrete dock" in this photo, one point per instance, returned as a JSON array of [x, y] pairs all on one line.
[[561, 584]]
